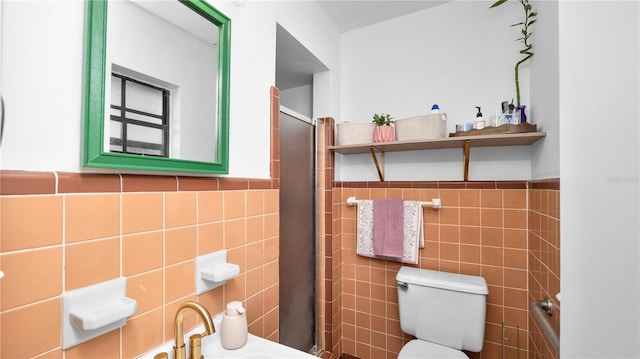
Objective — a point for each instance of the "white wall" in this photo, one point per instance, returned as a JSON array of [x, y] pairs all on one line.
[[253, 72], [299, 99], [42, 59], [460, 55], [545, 99], [599, 166], [42, 65]]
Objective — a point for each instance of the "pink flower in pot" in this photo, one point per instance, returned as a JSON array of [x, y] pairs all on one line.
[[383, 132]]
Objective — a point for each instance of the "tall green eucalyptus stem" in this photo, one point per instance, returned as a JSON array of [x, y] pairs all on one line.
[[529, 19]]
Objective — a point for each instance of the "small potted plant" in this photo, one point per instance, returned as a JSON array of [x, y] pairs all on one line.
[[383, 131]]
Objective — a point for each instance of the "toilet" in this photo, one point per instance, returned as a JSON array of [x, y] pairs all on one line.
[[445, 312]]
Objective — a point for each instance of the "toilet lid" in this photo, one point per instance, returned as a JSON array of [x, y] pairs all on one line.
[[423, 349]]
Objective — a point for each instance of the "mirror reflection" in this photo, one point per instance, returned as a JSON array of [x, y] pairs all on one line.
[[162, 58], [164, 86]]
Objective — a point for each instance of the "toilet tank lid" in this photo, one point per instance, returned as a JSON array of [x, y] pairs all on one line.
[[444, 280]]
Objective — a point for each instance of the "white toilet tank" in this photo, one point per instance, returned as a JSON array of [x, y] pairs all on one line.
[[443, 308]]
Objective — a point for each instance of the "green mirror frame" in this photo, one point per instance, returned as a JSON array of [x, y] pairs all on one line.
[[94, 98]]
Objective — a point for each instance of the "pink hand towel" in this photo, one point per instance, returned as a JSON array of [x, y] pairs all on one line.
[[388, 230]]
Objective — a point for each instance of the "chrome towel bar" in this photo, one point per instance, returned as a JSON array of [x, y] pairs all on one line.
[[435, 203]]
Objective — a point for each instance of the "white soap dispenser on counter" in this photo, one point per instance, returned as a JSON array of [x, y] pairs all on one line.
[[233, 333]]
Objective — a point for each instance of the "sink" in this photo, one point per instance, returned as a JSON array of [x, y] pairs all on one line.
[[255, 348]]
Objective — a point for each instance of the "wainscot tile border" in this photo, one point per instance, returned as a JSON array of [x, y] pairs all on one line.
[[31, 183]]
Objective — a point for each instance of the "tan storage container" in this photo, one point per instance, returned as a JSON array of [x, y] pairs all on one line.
[[421, 127], [351, 133]]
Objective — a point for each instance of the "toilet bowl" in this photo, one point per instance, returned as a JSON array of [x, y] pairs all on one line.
[[423, 349], [445, 312]]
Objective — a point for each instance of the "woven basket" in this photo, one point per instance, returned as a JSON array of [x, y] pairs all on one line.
[[350, 133], [421, 127]]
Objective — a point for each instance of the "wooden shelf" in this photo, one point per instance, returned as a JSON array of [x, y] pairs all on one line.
[[464, 142], [514, 139]]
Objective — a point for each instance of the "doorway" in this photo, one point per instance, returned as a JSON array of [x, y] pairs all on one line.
[[296, 69], [297, 232]]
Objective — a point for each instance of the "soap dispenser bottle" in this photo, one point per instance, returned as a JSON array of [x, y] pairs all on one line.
[[233, 333], [478, 124]]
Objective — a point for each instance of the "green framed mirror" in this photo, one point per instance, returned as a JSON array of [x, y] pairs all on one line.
[[156, 91]]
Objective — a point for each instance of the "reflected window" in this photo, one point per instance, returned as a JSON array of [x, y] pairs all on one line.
[[139, 118]]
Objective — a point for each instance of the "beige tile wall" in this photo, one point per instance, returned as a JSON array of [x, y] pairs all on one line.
[[544, 260], [52, 243], [480, 230]]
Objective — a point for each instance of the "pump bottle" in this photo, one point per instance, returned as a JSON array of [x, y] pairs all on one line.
[[478, 124]]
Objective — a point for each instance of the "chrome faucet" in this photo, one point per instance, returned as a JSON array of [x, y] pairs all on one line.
[[179, 351]]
